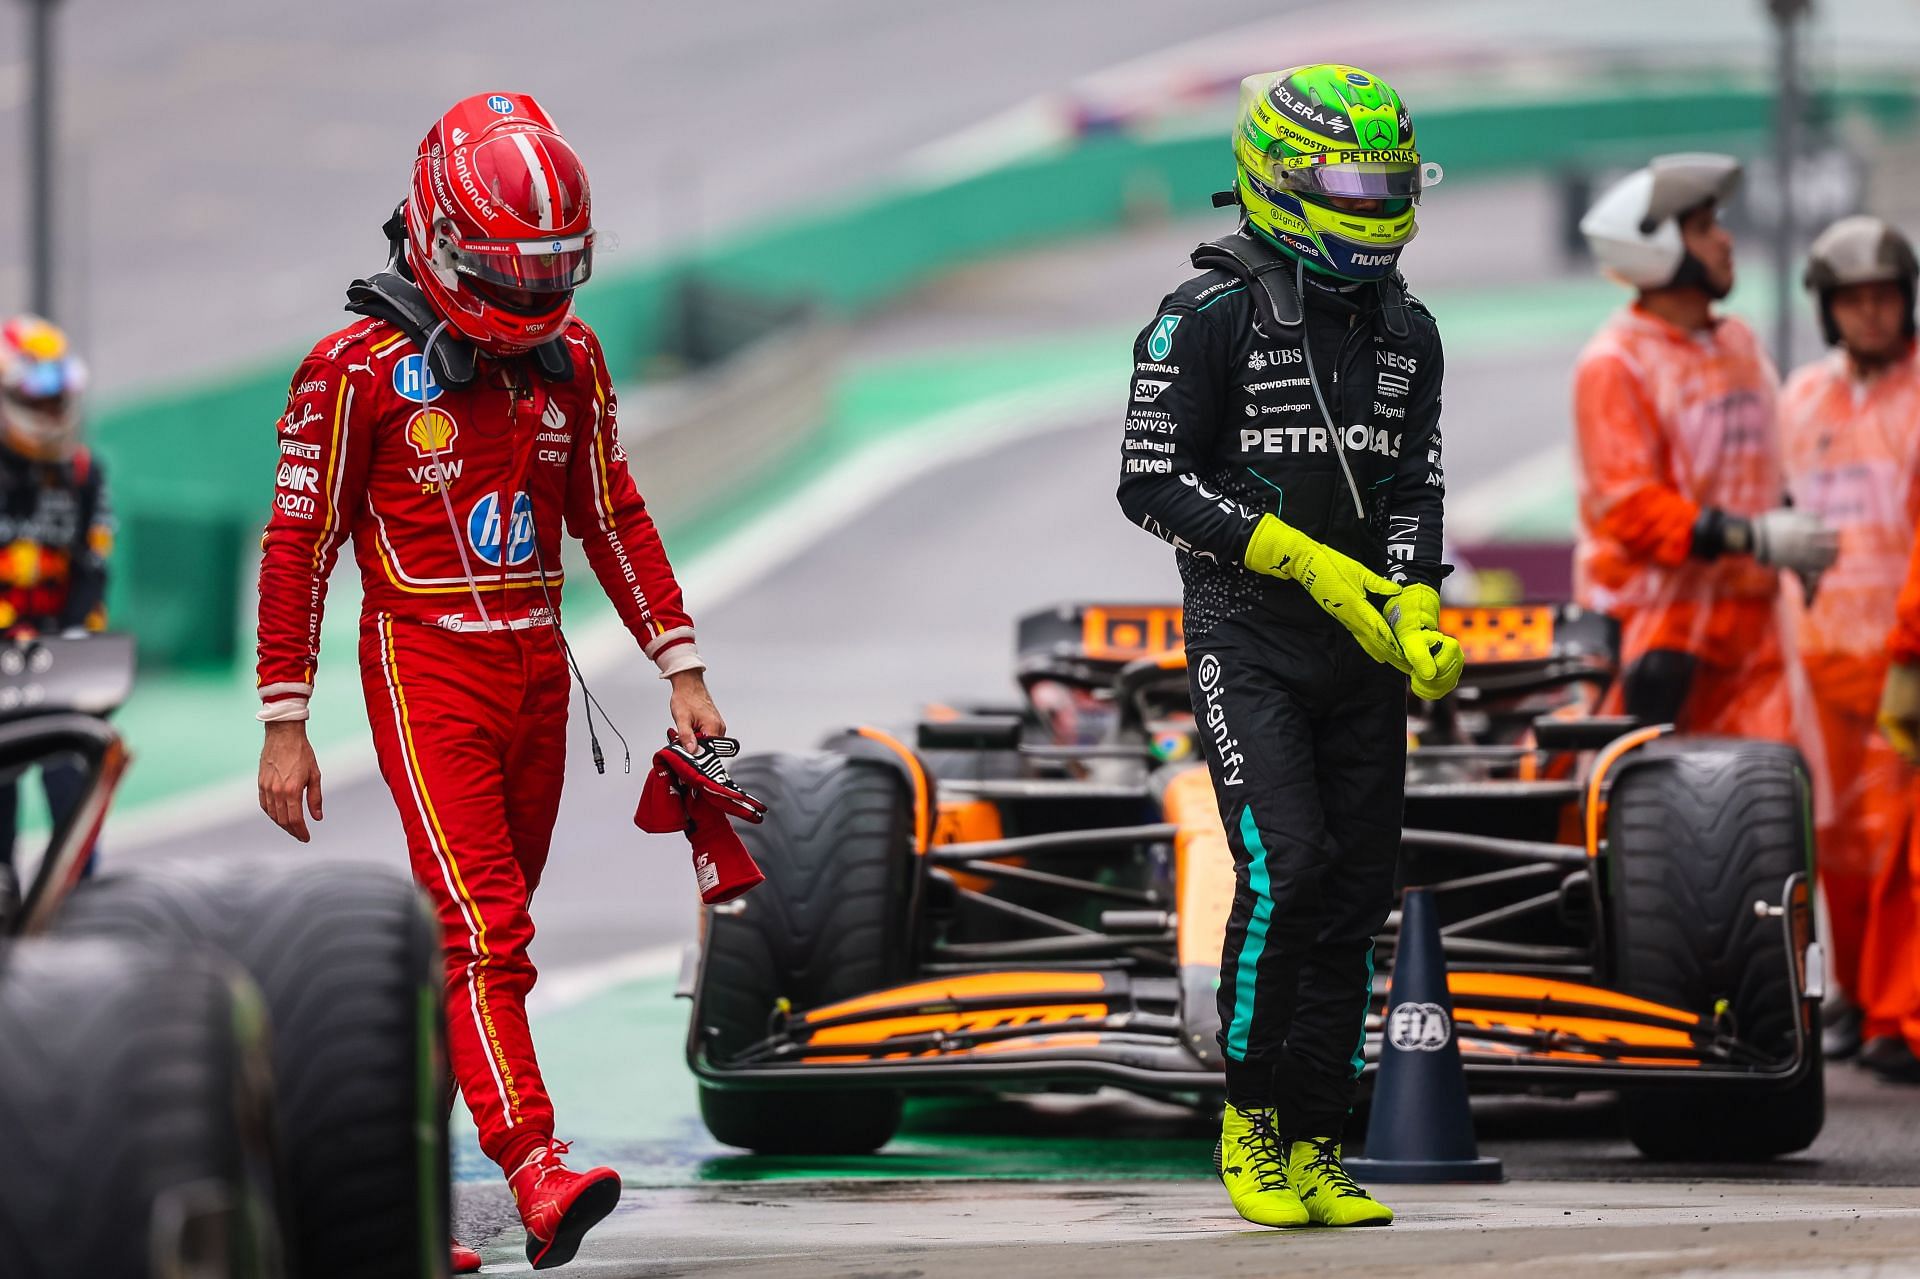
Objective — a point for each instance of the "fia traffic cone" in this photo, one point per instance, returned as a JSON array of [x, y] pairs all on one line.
[[1421, 1129]]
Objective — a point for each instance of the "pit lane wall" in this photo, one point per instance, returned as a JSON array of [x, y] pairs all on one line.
[[191, 467]]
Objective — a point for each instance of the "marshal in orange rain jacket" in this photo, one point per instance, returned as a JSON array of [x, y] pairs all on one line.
[[1669, 423], [1889, 973], [1851, 459]]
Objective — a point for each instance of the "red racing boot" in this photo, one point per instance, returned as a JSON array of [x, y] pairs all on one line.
[[558, 1205], [465, 1260]]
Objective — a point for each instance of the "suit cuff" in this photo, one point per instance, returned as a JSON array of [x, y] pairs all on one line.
[[286, 700], [678, 657]]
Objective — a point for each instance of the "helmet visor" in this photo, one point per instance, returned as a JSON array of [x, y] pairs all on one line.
[[533, 266], [42, 386], [1393, 175]]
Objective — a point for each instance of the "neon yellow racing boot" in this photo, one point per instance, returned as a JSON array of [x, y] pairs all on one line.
[[1328, 1196], [1249, 1161]]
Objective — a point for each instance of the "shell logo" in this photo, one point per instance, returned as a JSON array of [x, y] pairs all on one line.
[[432, 432]]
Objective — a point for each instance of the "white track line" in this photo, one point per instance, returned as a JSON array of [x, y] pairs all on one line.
[[566, 987]]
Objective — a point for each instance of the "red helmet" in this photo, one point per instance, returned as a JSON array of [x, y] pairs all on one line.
[[499, 223]]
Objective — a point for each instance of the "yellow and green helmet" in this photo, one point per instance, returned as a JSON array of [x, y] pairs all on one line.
[[1310, 135]]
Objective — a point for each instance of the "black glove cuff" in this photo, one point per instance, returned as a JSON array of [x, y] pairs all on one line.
[[1716, 533]]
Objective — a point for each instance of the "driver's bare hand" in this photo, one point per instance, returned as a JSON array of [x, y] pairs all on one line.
[[694, 714], [289, 776]]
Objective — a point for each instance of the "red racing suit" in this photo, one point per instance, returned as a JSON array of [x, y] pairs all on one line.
[[454, 507], [1668, 422]]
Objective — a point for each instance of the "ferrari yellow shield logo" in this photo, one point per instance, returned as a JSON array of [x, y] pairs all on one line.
[[432, 432]]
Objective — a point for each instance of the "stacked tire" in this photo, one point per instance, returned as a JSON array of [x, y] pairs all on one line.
[[334, 1153]]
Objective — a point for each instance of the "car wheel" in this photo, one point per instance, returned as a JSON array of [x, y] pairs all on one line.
[[1699, 830], [348, 960], [136, 1114], [828, 924]]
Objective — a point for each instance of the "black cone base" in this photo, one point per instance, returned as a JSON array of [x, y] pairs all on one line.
[[1423, 1172]]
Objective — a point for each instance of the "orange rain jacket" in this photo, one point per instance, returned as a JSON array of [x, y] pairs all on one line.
[[1669, 422], [1850, 450], [1889, 990]]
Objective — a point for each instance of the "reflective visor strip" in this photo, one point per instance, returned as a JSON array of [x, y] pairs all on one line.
[[1368, 180], [1254, 944], [41, 381], [499, 262]]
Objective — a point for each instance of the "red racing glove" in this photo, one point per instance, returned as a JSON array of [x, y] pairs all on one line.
[[690, 791]]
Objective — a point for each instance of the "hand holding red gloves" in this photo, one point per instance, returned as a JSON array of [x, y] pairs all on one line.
[[689, 790]]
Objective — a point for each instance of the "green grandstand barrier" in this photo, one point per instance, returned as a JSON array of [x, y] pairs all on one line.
[[184, 525]]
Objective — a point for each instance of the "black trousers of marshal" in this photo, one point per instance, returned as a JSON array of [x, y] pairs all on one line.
[[1306, 740]]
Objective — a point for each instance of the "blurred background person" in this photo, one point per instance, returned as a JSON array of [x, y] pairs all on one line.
[[56, 528], [1681, 526], [1889, 992], [1849, 424]]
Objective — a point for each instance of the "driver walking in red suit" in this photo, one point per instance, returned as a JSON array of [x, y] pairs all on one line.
[[449, 432]]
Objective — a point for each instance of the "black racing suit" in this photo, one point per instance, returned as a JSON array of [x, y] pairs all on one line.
[[1305, 734], [56, 531]]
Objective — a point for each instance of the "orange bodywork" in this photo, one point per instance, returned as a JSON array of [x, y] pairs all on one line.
[[967, 821], [929, 1007], [1468, 986], [1126, 632], [1203, 867], [1586, 1025], [923, 816], [1514, 633], [970, 821], [1007, 985], [1596, 780], [867, 1032]]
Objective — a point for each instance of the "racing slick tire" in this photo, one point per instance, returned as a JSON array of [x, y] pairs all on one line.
[[136, 1114], [829, 923], [348, 960], [1699, 830]]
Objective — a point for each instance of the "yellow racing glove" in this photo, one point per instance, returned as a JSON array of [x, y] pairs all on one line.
[[1338, 584], [1900, 710], [1433, 657]]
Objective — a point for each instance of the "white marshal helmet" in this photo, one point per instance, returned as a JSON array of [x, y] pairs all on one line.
[[1634, 228]]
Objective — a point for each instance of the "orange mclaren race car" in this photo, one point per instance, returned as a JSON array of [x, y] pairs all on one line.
[[1034, 897]]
